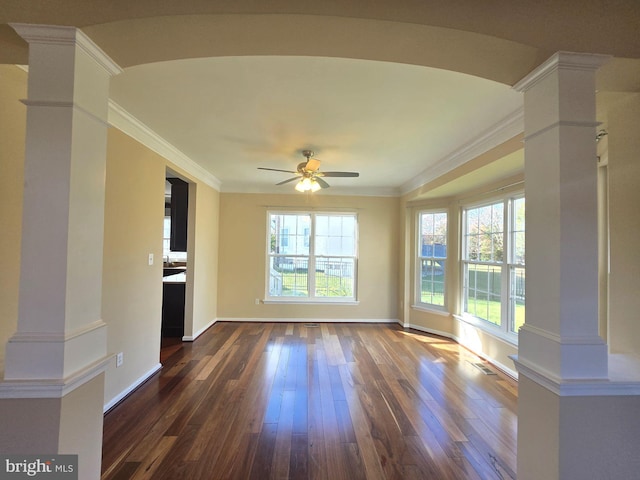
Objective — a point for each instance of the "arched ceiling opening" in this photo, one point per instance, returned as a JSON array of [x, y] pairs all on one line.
[[394, 57]]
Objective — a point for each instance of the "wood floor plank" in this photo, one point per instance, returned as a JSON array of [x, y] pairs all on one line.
[[125, 472], [340, 401], [148, 467], [362, 427], [282, 452]]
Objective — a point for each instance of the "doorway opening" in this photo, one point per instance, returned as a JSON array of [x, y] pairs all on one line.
[[175, 255]]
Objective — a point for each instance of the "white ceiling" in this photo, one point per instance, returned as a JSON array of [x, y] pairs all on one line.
[[390, 122]]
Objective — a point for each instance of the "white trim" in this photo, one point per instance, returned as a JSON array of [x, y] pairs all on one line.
[[136, 129], [96, 53], [191, 338], [65, 35], [431, 309], [52, 388], [563, 359], [432, 331], [573, 388], [500, 132], [312, 301], [127, 391], [56, 337], [310, 320], [561, 60], [561, 123], [564, 340], [63, 354], [510, 372]]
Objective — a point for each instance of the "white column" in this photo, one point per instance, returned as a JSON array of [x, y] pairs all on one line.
[[575, 422], [60, 331], [58, 354], [559, 346]]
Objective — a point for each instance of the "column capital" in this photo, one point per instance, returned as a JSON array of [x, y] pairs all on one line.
[[559, 61], [62, 35]]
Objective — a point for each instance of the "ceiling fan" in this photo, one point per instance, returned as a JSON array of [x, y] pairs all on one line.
[[309, 174]]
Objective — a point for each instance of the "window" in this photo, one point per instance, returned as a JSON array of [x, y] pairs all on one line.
[[312, 256], [493, 263], [432, 258], [167, 254]]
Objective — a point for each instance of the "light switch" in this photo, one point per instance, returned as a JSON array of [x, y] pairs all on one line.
[[151, 259]]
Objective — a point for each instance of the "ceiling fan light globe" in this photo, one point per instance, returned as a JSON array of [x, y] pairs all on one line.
[[315, 186], [300, 186]]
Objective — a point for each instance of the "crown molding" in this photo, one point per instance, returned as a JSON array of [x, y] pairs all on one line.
[[500, 132], [559, 61], [64, 35], [127, 123], [233, 187]]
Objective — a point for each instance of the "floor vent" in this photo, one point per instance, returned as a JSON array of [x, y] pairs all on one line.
[[483, 368], [312, 325]]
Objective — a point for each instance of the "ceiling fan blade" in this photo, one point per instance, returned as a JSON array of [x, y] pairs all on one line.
[[339, 174], [322, 183], [312, 165], [276, 170], [288, 180]]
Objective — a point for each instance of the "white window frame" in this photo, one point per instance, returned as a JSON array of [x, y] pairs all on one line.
[[312, 257], [508, 264], [418, 303]]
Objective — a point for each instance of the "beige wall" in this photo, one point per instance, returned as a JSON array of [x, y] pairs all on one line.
[[624, 222], [243, 224], [132, 290], [13, 87], [202, 266]]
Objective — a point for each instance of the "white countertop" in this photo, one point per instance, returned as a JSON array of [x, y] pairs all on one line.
[[177, 278]]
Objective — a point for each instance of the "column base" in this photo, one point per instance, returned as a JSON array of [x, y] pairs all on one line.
[[67, 425], [563, 359], [576, 437]]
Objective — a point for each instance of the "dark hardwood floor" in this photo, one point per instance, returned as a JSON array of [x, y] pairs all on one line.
[[337, 401]]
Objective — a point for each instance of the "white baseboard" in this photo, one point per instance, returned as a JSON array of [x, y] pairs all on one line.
[[121, 396], [191, 338], [310, 320], [432, 331], [509, 371]]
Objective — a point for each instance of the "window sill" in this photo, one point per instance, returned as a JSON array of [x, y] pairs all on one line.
[[310, 301], [510, 338], [434, 310]]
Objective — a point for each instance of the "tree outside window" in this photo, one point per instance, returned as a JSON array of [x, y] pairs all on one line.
[[432, 258], [493, 263]]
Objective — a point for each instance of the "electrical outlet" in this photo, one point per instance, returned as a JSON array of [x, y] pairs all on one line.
[[151, 259], [257, 301], [119, 359]]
